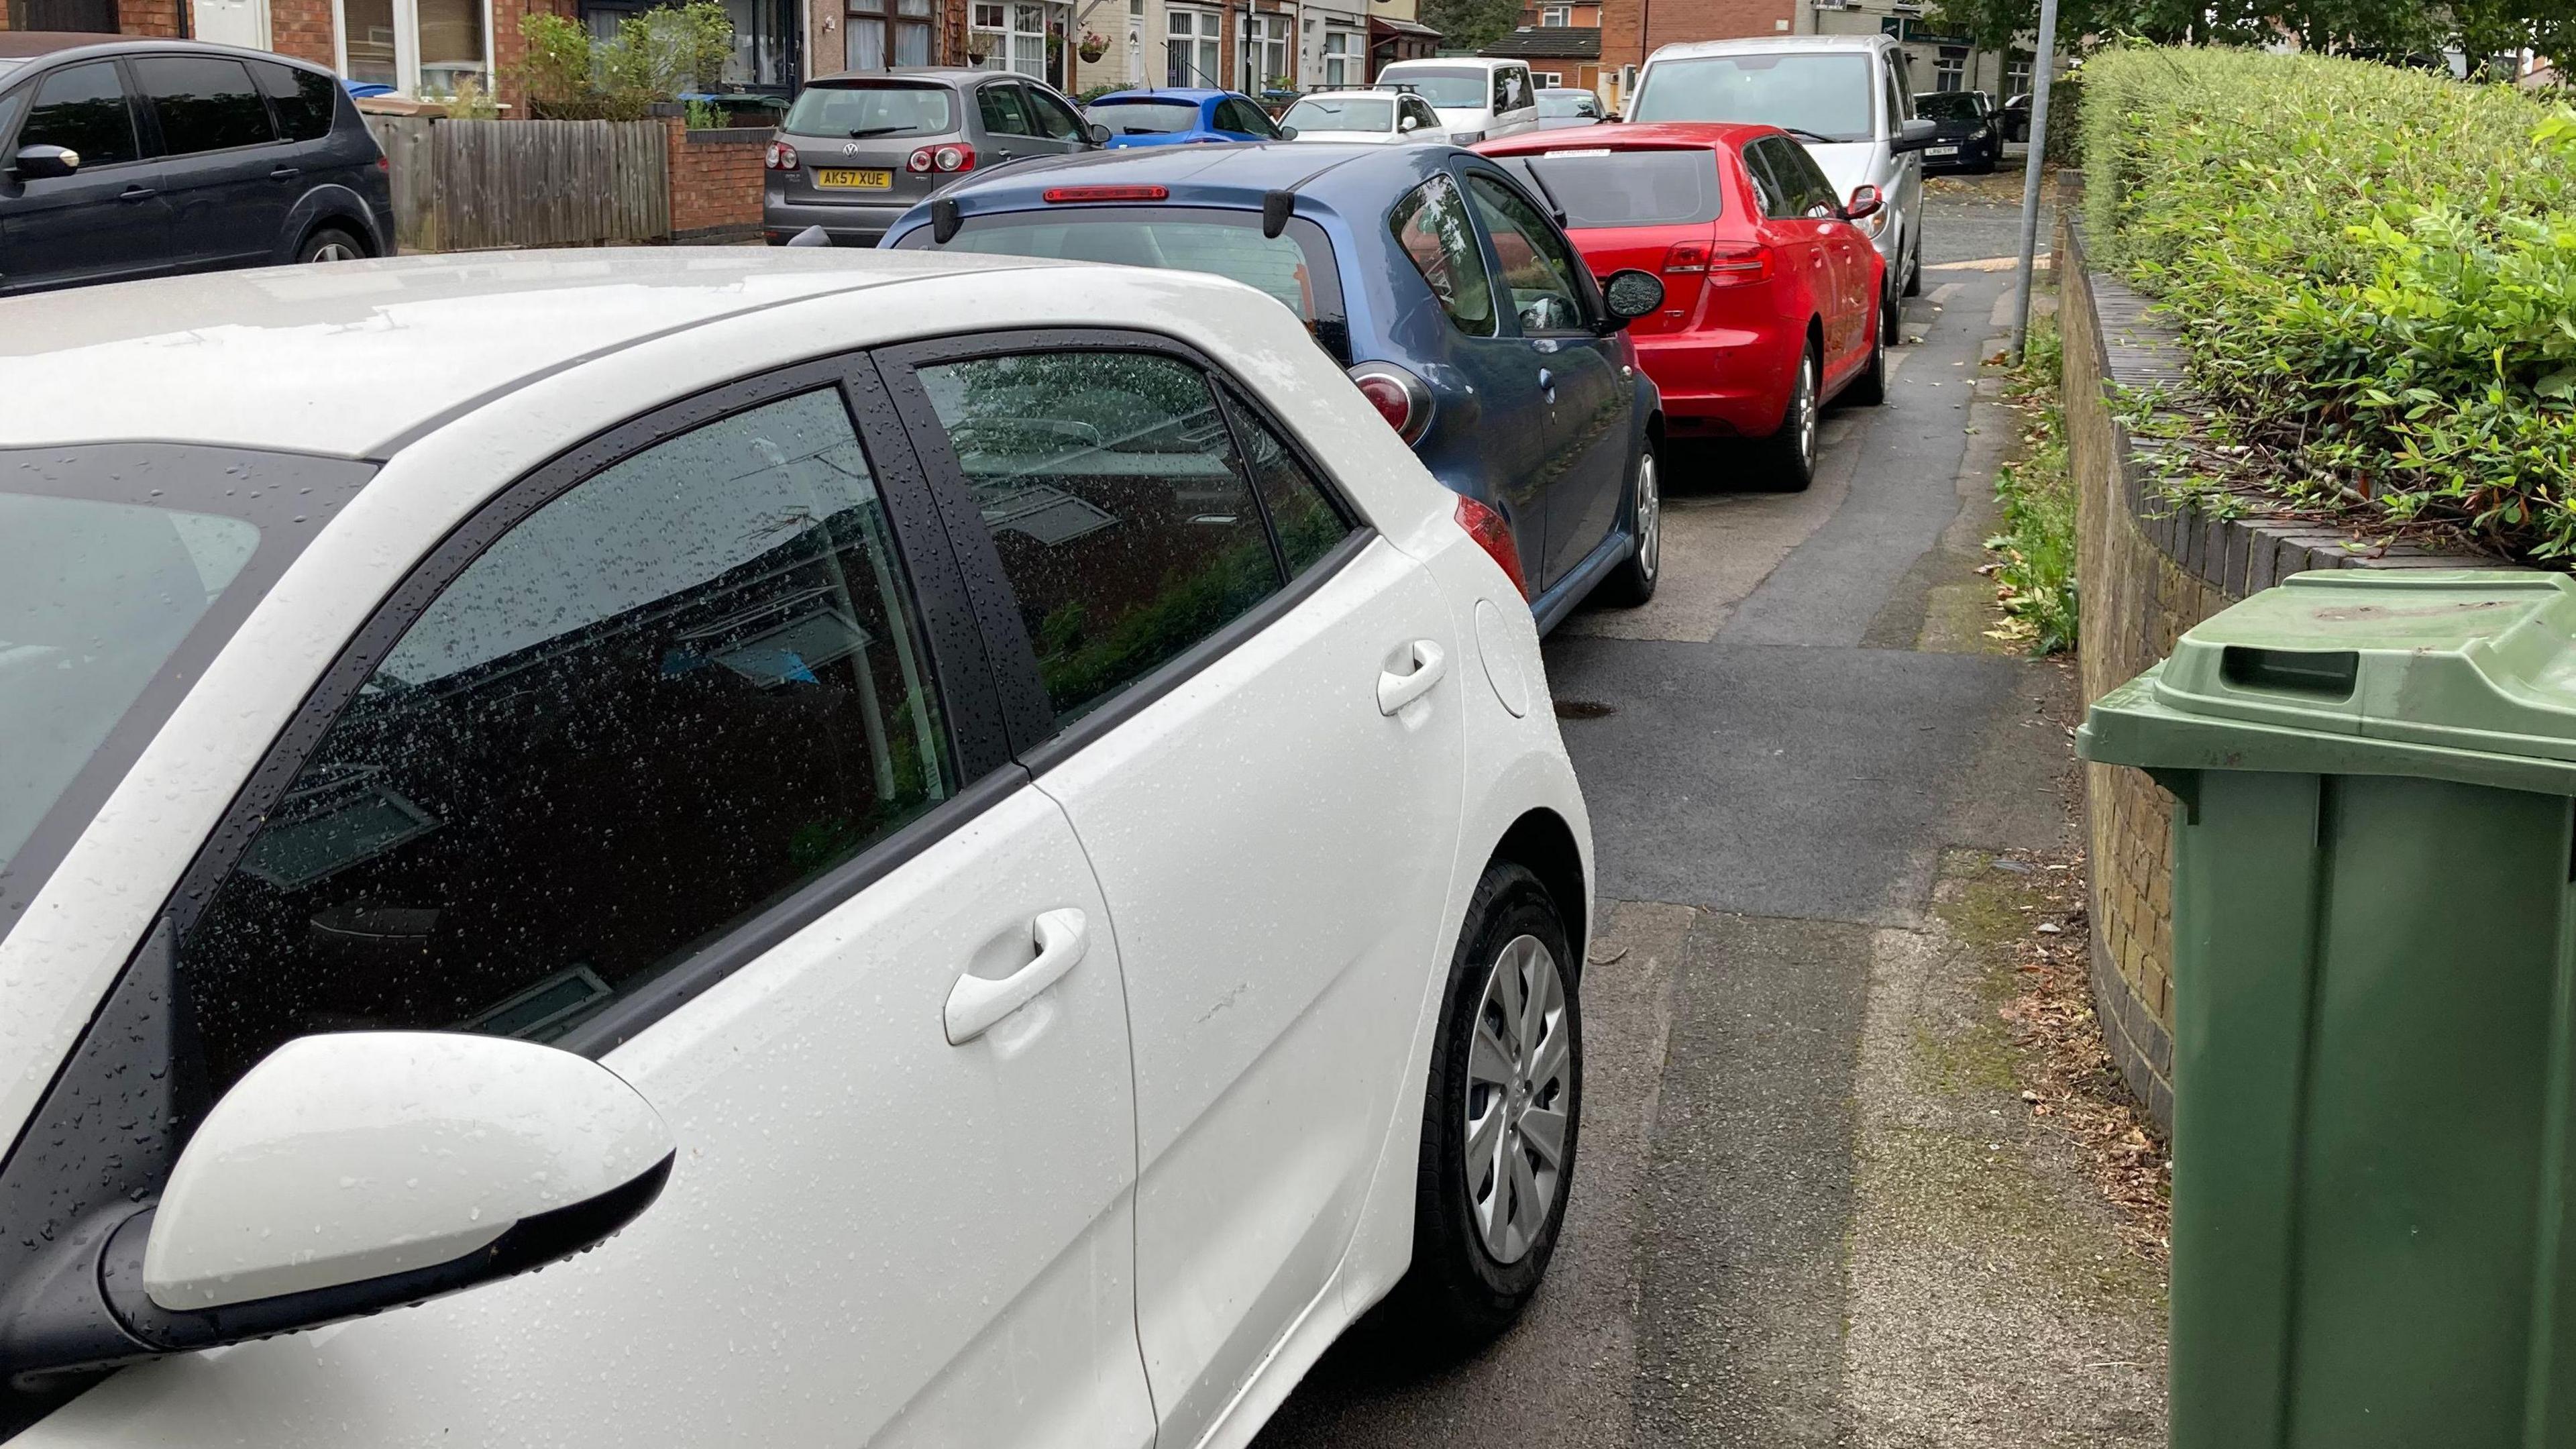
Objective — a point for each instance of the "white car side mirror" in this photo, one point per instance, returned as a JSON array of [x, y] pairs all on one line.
[[359, 1171]]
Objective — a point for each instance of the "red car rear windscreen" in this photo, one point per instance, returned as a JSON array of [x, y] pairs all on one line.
[[1602, 187]]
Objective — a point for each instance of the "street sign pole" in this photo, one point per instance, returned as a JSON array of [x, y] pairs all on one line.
[[2044, 63]]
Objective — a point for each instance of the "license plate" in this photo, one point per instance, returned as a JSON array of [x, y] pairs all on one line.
[[1935, 151], [863, 180]]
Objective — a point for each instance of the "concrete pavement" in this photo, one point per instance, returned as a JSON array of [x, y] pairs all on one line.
[[1797, 1218]]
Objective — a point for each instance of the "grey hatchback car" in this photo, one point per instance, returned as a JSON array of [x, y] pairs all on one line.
[[856, 151]]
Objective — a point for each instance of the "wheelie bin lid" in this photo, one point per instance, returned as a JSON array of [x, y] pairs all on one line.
[[2466, 675]]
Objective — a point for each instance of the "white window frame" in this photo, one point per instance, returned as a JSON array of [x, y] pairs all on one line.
[[406, 43], [1202, 44], [1950, 70], [1342, 50], [1556, 16], [1272, 34], [1547, 79]]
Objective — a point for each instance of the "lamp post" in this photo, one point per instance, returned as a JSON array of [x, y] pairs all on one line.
[[2044, 63]]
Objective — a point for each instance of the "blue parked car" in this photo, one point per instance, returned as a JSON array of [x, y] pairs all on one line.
[[1445, 289], [1172, 118]]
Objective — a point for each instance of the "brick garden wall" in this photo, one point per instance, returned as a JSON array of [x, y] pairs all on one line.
[[2147, 571], [715, 182]]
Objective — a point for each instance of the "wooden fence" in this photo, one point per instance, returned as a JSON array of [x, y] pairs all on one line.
[[468, 185]]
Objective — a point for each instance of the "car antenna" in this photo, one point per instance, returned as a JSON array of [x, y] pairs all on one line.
[[944, 219], [1276, 207]]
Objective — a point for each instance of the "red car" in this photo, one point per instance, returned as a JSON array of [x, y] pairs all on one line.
[[1770, 293]]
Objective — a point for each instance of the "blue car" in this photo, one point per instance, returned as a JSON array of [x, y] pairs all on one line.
[[1445, 289], [1175, 118]]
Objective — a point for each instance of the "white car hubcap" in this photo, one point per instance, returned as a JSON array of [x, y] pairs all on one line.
[[1519, 1089]]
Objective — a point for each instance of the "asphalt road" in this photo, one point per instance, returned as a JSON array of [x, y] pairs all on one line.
[[1777, 752]]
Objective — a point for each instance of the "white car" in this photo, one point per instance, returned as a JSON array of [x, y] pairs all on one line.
[[1370, 118], [992, 827], [1478, 100], [1849, 99]]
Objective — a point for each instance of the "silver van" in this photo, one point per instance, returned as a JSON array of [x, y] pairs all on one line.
[[1477, 99], [1849, 98]]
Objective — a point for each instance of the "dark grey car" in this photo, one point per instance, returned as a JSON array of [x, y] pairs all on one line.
[[141, 158], [856, 151]]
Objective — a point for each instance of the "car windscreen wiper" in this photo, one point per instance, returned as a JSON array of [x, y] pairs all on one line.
[[864, 132], [1803, 134]]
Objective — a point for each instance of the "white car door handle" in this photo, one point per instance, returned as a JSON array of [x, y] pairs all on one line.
[[975, 1003], [1395, 691]]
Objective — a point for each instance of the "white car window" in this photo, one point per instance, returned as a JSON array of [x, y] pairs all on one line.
[[1124, 521], [660, 702]]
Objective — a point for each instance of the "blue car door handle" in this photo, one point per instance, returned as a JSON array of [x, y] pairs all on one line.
[[1547, 383]]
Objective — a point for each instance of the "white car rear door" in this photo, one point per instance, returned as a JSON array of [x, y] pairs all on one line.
[[1261, 749]]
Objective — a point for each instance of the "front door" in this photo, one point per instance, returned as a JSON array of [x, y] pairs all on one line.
[[107, 222], [1250, 709], [683, 769], [1588, 407]]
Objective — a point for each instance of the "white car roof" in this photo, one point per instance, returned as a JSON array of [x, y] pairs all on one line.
[[1358, 93], [351, 358], [1791, 44]]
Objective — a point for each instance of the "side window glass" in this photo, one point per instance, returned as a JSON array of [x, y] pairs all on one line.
[[1537, 267], [1815, 189], [1003, 113], [1256, 121], [1052, 118], [1778, 199], [10, 105], [1431, 224], [305, 100], [83, 108], [1122, 517], [1304, 516], [204, 103], [663, 700]]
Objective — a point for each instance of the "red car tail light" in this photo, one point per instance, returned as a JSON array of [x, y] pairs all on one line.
[[1399, 397], [781, 157], [957, 156], [920, 162], [1487, 528], [1686, 257], [1107, 193], [1739, 266]]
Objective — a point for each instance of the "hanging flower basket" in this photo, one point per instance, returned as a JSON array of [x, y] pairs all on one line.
[[1092, 48], [980, 44]]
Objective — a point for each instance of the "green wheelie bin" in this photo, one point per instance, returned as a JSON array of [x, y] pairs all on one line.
[[2374, 972]]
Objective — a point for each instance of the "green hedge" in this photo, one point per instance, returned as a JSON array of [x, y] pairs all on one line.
[[2374, 269]]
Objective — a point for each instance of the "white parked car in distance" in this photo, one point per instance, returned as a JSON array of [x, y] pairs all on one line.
[[982, 844], [1477, 99], [1373, 118], [1849, 99]]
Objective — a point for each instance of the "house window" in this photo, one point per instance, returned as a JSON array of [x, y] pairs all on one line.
[[1556, 15], [1265, 53], [1950, 71], [883, 33], [1341, 59], [419, 47], [1548, 79], [1190, 49], [2017, 77]]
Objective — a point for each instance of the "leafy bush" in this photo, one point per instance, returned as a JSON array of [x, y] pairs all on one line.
[[654, 57], [2374, 270]]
